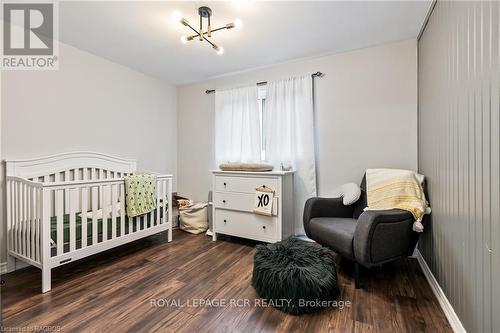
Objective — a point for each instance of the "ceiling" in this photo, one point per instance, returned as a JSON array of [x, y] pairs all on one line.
[[145, 36]]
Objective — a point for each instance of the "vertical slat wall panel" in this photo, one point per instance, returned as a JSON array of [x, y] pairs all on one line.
[[459, 152], [495, 164]]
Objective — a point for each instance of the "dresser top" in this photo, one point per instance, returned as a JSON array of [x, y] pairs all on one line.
[[253, 173]]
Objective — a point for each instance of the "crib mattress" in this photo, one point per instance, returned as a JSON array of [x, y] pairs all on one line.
[[135, 224]]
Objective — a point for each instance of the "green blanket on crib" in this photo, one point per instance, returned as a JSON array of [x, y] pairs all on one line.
[[140, 190]]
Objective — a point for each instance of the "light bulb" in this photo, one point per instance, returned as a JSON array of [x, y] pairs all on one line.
[[238, 24], [184, 40], [177, 16], [219, 49]]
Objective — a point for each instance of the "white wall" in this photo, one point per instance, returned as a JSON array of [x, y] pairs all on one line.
[[366, 111], [88, 104]]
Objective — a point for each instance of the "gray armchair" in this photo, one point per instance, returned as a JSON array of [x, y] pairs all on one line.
[[368, 238]]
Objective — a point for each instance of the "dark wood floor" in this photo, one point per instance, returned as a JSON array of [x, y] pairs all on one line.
[[113, 292]]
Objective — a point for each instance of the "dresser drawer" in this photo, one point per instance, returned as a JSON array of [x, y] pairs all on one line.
[[239, 201], [244, 184], [247, 225]]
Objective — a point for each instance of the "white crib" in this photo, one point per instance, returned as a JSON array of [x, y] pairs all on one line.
[[65, 207]]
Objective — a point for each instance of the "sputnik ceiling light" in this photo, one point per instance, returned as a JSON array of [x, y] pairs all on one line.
[[201, 35]]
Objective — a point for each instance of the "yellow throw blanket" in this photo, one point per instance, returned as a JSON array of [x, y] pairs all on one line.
[[140, 191], [394, 188]]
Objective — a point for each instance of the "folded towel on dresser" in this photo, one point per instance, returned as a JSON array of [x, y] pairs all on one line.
[[140, 193], [394, 188]]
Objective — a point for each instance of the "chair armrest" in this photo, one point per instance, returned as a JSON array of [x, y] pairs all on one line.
[[382, 236]]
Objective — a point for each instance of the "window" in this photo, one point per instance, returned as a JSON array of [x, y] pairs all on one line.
[[262, 109]]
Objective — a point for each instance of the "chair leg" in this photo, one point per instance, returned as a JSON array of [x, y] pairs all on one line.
[[357, 283]]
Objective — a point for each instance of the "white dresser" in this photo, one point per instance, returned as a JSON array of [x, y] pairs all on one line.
[[233, 203]]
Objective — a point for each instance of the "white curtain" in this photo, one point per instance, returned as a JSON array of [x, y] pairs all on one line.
[[289, 133], [237, 125]]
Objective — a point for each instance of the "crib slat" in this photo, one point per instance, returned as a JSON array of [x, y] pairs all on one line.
[[168, 210], [9, 215], [84, 205], [72, 220], [158, 202], [14, 216], [23, 219], [122, 210], [93, 204], [60, 221], [94, 214], [33, 222], [18, 217], [113, 212], [65, 176], [59, 207], [38, 223], [105, 212], [26, 221], [164, 196], [146, 220], [29, 219]]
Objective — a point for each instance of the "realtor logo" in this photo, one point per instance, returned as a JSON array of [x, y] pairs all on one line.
[[29, 40]]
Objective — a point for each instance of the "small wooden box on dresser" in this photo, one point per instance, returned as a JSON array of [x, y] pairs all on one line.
[[233, 203]]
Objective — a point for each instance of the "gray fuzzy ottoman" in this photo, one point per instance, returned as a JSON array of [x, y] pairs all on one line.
[[296, 275]]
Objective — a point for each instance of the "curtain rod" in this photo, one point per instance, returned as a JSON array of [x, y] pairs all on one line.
[[313, 75]]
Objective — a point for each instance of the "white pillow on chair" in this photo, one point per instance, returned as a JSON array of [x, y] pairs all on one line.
[[349, 193]]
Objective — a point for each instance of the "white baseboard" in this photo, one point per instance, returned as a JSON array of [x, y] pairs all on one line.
[[448, 310], [4, 268]]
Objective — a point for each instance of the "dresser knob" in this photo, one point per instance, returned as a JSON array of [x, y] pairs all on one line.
[[263, 227], [225, 184], [223, 201], [225, 221]]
